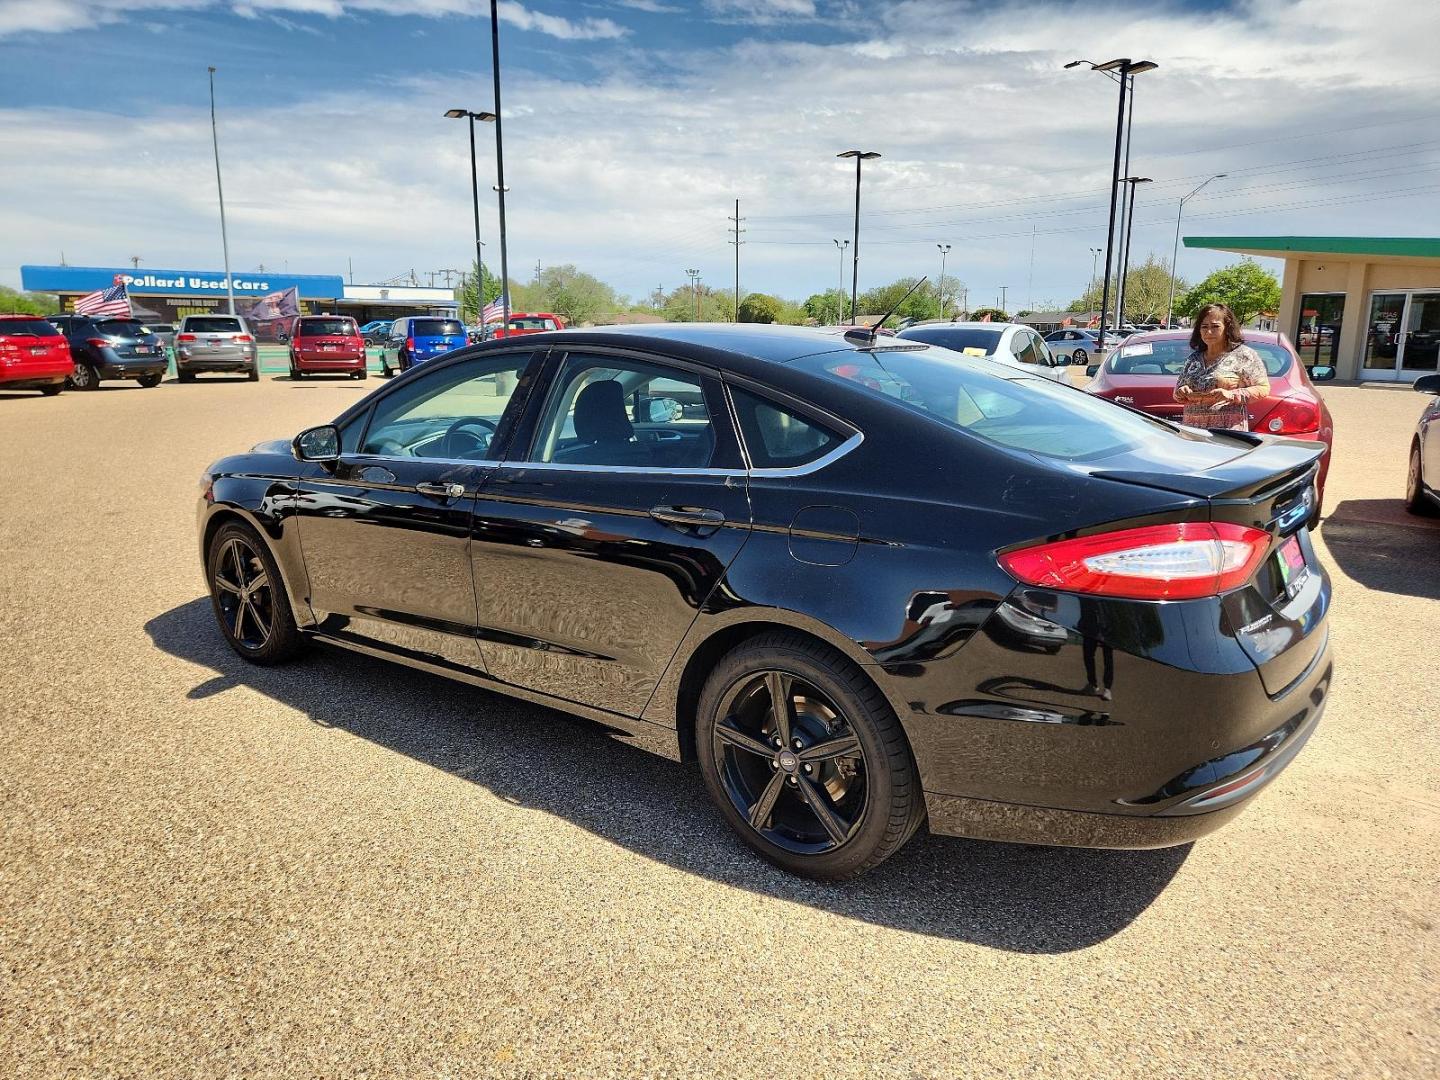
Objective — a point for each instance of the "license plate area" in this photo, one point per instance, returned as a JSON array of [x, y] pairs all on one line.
[[1290, 569]]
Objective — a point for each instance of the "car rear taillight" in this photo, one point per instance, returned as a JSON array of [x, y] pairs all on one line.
[[99, 342], [1182, 561], [410, 344], [184, 337], [1291, 416], [244, 339]]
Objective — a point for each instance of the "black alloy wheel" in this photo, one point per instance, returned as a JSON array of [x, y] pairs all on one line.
[[147, 381], [805, 758], [85, 377], [254, 374], [1079, 356], [248, 596], [1416, 500]]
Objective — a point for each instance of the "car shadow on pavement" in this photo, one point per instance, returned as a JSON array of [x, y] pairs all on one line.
[[1004, 896], [1378, 544]]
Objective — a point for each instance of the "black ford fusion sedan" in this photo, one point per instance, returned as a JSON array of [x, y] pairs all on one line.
[[864, 584]]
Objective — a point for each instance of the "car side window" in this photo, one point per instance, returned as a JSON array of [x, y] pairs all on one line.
[[1024, 349], [777, 437], [606, 410], [450, 414], [397, 330]]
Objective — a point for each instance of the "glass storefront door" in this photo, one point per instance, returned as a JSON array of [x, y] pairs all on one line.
[[1420, 347], [1317, 338], [1402, 335]]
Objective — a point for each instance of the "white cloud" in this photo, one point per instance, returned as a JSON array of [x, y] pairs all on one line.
[[985, 139], [762, 12]]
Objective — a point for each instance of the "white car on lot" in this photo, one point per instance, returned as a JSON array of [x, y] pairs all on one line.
[[1006, 343]]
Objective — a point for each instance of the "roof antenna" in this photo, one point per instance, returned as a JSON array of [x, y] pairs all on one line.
[[867, 335]]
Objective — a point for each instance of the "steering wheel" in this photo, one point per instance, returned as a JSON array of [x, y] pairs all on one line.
[[468, 437]]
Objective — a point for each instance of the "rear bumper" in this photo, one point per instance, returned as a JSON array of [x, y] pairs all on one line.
[[214, 363], [135, 368], [328, 363], [32, 376]]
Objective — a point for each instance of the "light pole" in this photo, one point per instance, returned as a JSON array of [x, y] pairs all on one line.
[[694, 276], [1125, 250], [1175, 251], [1126, 67], [220, 189], [483, 117], [500, 167], [859, 156], [1094, 254], [940, 285], [842, 245]]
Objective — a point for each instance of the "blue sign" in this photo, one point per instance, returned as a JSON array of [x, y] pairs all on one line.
[[84, 279]]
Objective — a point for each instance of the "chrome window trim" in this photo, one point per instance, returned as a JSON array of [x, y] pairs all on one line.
[[829, 419]]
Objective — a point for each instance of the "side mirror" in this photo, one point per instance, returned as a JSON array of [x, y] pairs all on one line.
[[317, 444], [663, 410], [1428, 384], [1091, 370], [1322, 373]]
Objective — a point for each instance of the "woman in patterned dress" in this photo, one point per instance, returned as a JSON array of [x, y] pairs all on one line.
[[1221, 374]]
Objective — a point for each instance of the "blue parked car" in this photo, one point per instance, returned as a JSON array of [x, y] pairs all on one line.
[[376, 331], [413, 340]]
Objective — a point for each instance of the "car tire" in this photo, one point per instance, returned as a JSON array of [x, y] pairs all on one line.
[[184, 376], [247, 595], [361, 374], [52, 389], [85, 377], [148, 381], [1416, 501], [1079, 356], [385, 371], [834, 816], [254, 374]]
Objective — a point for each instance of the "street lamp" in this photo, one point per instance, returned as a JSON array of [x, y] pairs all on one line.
[[940, 285], [1094, 254], [1126, 68], [483, 117], [1125, 251], [859, 156], [1175, 251], [842, 245], [694, 276], [500, 167], [220, 190]]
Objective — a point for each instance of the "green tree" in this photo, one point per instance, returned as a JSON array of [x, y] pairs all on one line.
[[713, 305], [470, 304], [1147, 290], [920, 304], [828, 308], [1244, 287], [574, 295], [759, 308], [996, 315], [30, 303], [791, 314]]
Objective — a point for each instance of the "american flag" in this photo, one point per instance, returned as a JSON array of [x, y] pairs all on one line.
[[493, 310], [111, 301]]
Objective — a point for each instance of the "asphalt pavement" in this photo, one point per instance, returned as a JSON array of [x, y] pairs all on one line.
[[340, 868]]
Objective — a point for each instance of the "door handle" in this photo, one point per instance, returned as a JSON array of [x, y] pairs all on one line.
[[688, 516], [441, 491]]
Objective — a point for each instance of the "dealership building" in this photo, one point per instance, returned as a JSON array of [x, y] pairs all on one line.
[[168, 295], [1370, 306]]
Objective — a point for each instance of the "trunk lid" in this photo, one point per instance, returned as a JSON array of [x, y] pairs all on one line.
[[1278, 616]]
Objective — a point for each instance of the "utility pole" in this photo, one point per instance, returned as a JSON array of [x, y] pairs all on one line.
[[940, 285], [658, 295], [220, 191], [537, 271], [135, 261], [695, 291], [351, 264], [1094, 256], [1030, 284], [842, 245], [737, 219], [1003, 289]]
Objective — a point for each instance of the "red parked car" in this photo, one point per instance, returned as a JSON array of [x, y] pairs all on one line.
[[528, 322], [33, 355], [1144, 370], [326, 345]]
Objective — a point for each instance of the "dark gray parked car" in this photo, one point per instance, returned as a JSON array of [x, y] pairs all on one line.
[[221, 343]]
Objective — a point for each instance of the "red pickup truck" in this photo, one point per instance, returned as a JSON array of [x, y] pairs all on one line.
[[526, 322]]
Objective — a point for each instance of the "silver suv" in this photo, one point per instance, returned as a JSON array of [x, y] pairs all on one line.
[[214, 343]]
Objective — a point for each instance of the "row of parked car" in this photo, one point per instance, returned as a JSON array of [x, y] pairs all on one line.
[[49, 353]]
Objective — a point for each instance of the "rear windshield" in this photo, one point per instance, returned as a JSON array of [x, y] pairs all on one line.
[[1167, 357], [326, 328], [1018, 412], [431, 327], [956, 338], [532, 322], [159, 327], [212, 324], [121, 328], [30, 327]]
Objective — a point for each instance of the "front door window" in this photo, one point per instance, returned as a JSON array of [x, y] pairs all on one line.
[[1421, 342], [1382, 331]]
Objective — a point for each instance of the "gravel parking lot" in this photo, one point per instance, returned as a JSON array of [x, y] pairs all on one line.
[[343, 868]]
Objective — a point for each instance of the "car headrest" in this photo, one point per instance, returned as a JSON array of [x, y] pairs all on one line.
[[600, 413]]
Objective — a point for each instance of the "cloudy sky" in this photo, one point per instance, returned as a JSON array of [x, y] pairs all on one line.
[[631, 126]]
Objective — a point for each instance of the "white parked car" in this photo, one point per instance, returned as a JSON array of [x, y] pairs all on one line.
[[1006, 343]]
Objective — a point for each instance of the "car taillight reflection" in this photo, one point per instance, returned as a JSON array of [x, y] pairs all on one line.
[[1291, 416]]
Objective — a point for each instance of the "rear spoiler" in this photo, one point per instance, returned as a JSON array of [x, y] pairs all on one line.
[[1271, 465]]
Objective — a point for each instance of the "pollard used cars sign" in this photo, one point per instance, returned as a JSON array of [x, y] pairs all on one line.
[[80, 279]]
